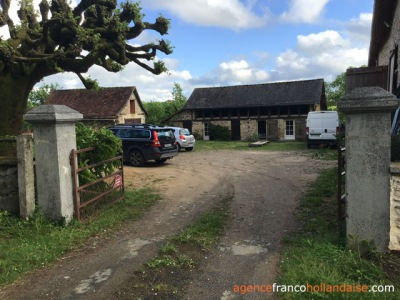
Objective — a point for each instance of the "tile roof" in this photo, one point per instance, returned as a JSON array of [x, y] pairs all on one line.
[[103, 103], [269, 94]]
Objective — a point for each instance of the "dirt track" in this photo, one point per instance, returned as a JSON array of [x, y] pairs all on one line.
[[262, 188]]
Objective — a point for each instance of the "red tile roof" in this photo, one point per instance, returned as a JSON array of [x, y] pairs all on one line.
[[103, 103]]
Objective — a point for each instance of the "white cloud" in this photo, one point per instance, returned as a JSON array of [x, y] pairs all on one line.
[[304, 11], [291, 61], [359, 29], [221, 13], [150, 87], [322, 41], [324, 54], [320, 55], [231, 73]]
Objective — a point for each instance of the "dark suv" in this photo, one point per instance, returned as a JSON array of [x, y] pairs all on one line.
[[143, 142]]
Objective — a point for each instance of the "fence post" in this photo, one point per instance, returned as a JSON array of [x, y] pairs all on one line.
[[26, 178], [368, 117], [54, 137]]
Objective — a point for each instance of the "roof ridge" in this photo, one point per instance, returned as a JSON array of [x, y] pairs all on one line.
[[258, 84]]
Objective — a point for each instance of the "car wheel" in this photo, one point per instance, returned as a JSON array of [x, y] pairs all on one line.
[[136, 158], [189, 148], [179, 147], [160, 161]]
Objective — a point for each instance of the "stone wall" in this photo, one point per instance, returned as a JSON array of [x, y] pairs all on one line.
[[248, 129], [197, 129], [394, 243], [185, 115], [9, 197]]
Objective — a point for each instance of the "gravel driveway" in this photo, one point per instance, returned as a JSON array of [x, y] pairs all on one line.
[[262, 188]]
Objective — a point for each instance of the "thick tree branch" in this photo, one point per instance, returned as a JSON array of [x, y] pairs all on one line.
[[85, 4], [146, 67]]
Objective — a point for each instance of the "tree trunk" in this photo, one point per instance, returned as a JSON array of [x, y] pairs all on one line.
[[13, 102]]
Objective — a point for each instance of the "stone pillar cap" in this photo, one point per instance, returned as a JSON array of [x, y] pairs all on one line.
[[53, 114], [368, 99]]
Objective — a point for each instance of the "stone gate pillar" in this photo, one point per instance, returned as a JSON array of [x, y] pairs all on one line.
[[368, 117], [54, 137]]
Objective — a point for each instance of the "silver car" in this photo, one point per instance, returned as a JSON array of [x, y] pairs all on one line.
[[184, 138]]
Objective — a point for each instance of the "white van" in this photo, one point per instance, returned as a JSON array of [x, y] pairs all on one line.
[[322, 128]]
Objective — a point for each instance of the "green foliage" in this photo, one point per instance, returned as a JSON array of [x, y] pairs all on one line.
[[171, 262], [38, 96], [205, 231], [252, 138], [335, 90], [58, 36], [156, 112], [219, 133], [30, 244], [317, 253], [159, 111], [178, 97], [106, 146]]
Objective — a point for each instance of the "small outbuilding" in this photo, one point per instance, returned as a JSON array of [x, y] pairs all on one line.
[[106, 106]]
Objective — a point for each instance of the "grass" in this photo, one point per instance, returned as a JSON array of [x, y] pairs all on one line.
[[39, 241], [179, 256], [317, 254], [243, 145]]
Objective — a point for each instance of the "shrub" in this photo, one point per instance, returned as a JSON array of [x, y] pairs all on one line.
[[106, 146], [252, 138], [219, 133]]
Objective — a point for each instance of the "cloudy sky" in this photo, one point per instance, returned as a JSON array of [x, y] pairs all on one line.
[[231, 42]]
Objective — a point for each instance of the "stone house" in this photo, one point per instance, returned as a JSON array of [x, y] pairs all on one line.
[[382, 71], [273, 111], [107, 106]]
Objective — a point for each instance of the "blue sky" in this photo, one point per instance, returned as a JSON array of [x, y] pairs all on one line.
[[231, 42]]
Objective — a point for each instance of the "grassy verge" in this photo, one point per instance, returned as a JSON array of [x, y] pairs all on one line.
[[317, 255], [179, 256], [29, 244], [242, 145]]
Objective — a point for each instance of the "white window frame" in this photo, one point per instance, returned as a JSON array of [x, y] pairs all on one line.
[[289, 133]]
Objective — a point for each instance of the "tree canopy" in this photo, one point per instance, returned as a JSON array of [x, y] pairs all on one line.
[[159, 111], [60, 38], [335, 90]]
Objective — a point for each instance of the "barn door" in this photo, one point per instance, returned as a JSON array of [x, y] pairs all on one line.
[[235, 130], [272, 129], [262, 130], [300, 128]]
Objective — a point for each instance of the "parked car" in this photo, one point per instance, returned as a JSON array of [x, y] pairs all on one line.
[[184, 138], [322, 128], [144, 142]]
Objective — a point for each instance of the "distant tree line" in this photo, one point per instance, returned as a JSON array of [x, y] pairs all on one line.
[[159, 111]]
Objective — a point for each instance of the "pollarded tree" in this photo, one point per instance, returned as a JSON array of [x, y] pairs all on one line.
[[61, 38]]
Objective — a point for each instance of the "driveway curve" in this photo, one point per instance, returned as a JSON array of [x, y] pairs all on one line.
[[262, 188]]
